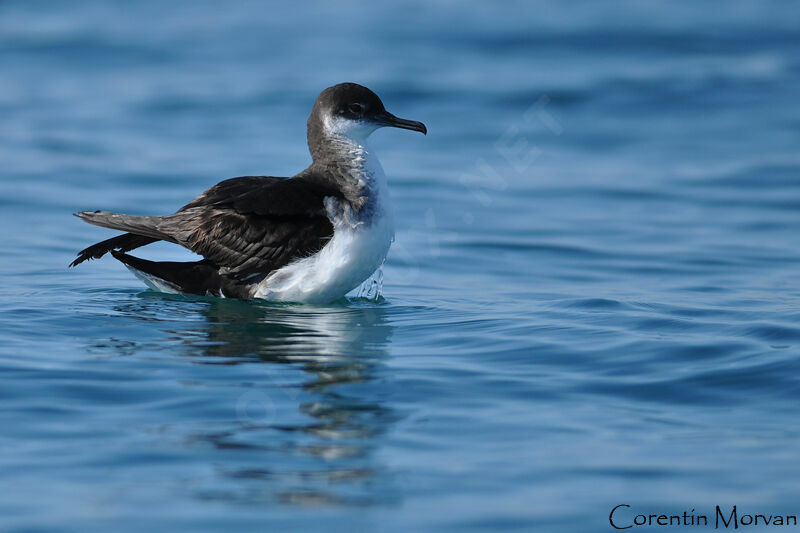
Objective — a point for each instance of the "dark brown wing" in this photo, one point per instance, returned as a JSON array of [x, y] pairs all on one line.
[[254, 225]]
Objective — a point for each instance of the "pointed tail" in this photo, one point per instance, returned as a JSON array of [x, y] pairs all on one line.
[[145, 226]]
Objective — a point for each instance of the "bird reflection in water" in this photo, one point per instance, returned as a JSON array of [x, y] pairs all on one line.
[[305, 431]]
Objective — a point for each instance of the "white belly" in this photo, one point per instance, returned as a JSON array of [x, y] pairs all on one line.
[[349, 258]]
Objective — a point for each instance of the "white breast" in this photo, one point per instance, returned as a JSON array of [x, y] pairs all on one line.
[[359, 245]]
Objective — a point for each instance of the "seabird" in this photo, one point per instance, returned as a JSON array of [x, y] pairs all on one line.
[[312, 238]]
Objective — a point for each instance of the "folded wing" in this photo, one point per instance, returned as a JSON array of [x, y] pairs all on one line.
[[246, 226]]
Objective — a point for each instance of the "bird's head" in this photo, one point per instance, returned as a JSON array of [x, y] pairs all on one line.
[[353, 111]]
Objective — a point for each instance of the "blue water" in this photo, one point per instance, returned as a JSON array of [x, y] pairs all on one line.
[[593, 298]]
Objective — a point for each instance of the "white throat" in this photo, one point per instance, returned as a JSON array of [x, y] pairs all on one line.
[[356, 131]]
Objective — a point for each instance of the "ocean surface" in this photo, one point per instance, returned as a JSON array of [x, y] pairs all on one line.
[[593, 298]]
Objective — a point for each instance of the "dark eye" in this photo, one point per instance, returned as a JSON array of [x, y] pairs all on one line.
[[356, 109]]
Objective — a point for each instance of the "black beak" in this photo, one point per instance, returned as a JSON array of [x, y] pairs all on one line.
[[387, 119]]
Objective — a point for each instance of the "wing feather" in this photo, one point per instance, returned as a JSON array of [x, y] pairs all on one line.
[[254, 224]]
